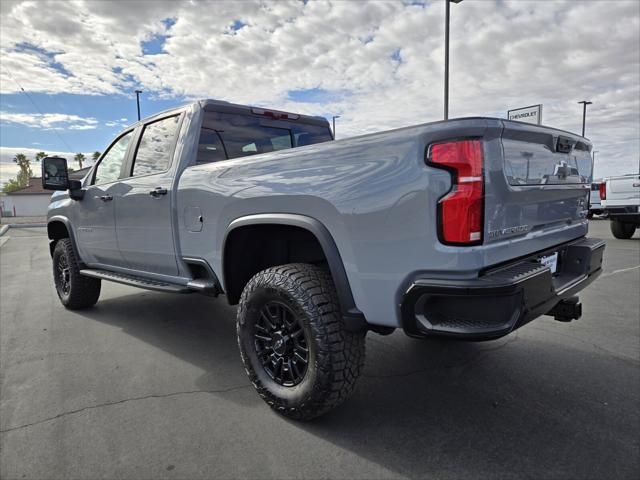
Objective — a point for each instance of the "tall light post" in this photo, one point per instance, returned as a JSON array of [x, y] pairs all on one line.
[[138, 92], [334, 125], [584, 113], [446, 56]]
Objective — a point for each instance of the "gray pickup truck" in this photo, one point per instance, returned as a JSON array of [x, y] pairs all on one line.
[[467, 229]]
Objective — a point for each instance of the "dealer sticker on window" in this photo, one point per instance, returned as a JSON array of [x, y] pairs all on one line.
[[550, 261]]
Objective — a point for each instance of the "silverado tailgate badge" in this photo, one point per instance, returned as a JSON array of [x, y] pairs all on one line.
[[502, 232]]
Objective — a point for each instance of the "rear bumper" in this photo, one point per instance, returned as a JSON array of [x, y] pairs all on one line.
[[500, 299]]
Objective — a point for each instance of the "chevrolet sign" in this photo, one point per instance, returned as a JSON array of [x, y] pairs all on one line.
[[531, 114]]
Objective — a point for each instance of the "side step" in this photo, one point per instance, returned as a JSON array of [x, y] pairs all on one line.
[[136, 281], [201, 285]]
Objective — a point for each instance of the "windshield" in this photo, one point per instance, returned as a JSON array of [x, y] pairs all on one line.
[[228, 135]]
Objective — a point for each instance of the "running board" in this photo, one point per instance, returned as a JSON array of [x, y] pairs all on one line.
[[203, 286], [136, 281]]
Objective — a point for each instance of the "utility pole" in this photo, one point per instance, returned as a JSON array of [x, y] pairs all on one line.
[[584, 113], [138, 92], [446, 56], [334, 125]]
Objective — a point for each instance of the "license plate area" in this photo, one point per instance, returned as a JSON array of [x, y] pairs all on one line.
[[550, 261]]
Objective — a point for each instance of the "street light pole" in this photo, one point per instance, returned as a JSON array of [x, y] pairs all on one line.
[[446, 56], [334, 125], [584, 113], [138, 92]]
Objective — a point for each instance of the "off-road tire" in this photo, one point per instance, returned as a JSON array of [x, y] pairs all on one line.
[[82, 292], [336, 356], [622, 230]]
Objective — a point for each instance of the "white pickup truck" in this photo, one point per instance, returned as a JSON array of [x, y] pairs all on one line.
[[620, 199]]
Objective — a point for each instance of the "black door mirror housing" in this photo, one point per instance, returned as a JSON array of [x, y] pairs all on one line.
[[55, 176], [54, 173]]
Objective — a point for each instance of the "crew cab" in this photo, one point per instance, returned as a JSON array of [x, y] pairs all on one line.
[[468, 229], [620, 200]]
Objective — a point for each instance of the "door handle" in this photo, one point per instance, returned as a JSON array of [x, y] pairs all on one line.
[[105, 198], [156, 192]]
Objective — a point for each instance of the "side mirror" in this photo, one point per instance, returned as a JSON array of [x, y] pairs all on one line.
[[54, 173], [55, 176]]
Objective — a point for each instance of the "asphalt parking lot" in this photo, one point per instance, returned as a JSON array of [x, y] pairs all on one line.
[[150, 385]]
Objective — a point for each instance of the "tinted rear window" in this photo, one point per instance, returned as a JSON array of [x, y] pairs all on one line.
[[227, 135]]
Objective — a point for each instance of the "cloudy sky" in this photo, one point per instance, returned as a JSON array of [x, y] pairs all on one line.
[[378, 65]]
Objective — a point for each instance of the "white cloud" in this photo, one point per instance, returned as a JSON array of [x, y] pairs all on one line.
[[49, 121], [503, 55], [7, 172], [122, 123]]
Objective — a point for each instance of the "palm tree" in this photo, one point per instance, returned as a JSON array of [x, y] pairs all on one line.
[[20, 159], [40, 156], [80, 158], [96, 156], [25, 169]]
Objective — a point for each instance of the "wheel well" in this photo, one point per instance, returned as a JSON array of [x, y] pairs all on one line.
[[253, 248], [56, 231]]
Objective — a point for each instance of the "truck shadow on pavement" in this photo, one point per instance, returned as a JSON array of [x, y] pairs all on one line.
[[520, 406]]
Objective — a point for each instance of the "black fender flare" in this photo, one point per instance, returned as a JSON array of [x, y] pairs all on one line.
[[354, 319], [65, 221]]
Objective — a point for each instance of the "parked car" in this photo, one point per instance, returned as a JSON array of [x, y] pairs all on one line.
[[620, 199], [466, 229], [595, 208]]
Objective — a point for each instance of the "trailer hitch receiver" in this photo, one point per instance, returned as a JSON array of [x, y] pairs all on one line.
[[567, 310]]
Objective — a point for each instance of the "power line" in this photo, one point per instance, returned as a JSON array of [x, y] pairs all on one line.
[[40, 111]]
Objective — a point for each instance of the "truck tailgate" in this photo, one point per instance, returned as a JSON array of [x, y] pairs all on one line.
[[623, 191], [538, 189]]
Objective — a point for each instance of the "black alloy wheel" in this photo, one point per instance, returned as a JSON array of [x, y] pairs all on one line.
[[63, 276], [280, 344]]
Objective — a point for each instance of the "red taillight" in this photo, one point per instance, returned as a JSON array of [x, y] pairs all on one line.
[[603, 191], [460, 210]]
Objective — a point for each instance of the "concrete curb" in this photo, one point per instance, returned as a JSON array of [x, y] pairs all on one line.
[[27, 225], [7, 226]]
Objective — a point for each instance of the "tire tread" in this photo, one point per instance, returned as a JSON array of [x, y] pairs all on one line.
[[621, 230], [85, 291], [340, 356]]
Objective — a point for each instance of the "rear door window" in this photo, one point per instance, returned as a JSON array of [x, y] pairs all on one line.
[[156, 147]]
